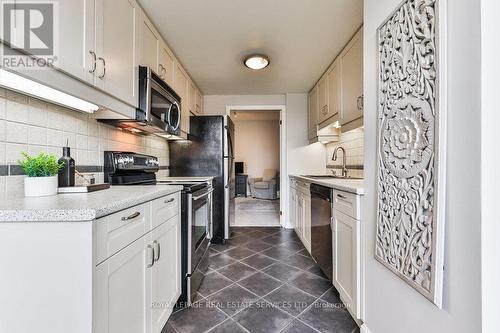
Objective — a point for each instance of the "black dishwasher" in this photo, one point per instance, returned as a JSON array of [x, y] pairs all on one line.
[[321, 234]]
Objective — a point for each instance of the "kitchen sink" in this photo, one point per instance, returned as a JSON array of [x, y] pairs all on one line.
[[331, 177]]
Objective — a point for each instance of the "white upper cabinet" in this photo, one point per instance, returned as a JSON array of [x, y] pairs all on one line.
[[322, 97], [76, 54], [332, 111], [198, 102], [313, 113], [351, 60], [339, 92], [150, 44], [117, 48], [192, 97], [166, 63], [181, 81], [155, 52]]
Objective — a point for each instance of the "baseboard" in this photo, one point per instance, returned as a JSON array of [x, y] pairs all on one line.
[[364, 329]]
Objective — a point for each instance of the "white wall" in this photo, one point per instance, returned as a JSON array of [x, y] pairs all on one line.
[[490, 159], [257, 144], [216, 104], [302, 158], [391, 305]]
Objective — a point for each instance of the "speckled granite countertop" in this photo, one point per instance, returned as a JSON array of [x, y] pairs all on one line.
[[355, 186], [81, 206], [181, 179]]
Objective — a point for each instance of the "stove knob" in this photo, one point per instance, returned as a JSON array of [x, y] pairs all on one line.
[[119, 160]]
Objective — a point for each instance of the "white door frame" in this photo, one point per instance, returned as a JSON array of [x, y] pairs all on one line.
[[283, 169]]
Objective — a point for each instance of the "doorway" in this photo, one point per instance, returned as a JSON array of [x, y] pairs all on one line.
[[258, 164]]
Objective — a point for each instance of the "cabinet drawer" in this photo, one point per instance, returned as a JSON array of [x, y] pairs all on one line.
[[165, 208], [304, 187], [347, 203], [116, 231]]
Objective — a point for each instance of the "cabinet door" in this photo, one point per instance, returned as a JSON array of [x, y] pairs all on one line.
[[307, 221], [202, 110], [293, 205], [352, 80], [166, 272], [122, 289], [150, 45], [76, 39], [166, 60], [117, 35], [323, 96], [332, 111], [197, 99], [313, 114], [300, 216], [181, 87], [192, 97], [347, 261]]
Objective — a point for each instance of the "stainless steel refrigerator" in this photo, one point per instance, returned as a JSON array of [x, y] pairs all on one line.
[[209, 152]]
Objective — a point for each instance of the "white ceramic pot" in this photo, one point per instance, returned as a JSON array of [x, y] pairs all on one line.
[[40, 186]]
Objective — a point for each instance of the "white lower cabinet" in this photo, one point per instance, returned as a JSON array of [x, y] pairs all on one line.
[[346, 240], [346, 247], [293, 204], [300, 211], [136, 288], [122, 289], [306, 198], [165, 273]]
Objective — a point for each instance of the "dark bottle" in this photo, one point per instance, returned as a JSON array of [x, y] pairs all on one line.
[[66, 175]]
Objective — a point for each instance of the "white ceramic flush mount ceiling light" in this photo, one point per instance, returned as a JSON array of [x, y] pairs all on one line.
[[256, 61]]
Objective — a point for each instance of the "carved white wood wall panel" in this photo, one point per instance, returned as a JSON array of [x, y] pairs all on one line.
[[410, 216]]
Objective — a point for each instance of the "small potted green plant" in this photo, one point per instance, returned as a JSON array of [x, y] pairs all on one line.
[[41, 174]]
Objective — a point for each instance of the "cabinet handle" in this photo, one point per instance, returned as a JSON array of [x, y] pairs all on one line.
[[161, 68], [131, 216], [341, 196], [94, 65], [324, 110], [170, 200], [103, 67], [360, 102], [156, 247], [150, 256]]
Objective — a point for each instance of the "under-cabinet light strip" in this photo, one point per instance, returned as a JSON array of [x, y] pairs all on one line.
[[23, 85]]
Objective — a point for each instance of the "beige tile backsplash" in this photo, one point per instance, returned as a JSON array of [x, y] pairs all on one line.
[[34, 126], [353, 143]]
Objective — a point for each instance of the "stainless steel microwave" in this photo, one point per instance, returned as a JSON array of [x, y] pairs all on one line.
[[159, 110]]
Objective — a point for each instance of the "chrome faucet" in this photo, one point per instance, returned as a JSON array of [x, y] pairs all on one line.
[[335, 156]]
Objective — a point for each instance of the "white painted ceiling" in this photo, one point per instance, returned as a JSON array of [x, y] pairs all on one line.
[[211, 37]]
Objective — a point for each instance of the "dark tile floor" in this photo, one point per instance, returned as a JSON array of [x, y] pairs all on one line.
[[263, 281]]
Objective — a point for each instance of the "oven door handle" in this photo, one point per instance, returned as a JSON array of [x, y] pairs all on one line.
[[203, 195]]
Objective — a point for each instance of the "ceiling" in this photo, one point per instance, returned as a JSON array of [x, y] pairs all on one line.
[[249, 115], [211, 37]]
